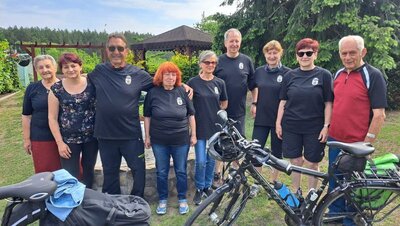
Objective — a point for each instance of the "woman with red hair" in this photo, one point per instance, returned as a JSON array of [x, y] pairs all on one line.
[[304, 112], [168, 114]]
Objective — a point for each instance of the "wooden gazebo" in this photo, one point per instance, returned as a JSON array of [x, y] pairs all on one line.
[[183, 39]]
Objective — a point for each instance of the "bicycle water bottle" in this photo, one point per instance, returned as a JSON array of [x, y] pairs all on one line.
[[286, 194]]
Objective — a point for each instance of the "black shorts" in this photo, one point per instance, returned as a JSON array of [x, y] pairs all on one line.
[[293, 144]]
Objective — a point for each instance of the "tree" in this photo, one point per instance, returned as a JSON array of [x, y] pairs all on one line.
[[327, 21]]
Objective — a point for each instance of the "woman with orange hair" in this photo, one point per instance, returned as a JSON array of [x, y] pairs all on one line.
[[168, 114]]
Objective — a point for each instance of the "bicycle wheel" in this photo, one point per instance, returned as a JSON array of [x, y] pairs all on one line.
[[223, 207], [383, 215]]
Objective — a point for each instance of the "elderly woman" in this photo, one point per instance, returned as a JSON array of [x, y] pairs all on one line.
[[71, 119], [169, 114], [268, 80], [209, 97], [38, 140], [305, 110]]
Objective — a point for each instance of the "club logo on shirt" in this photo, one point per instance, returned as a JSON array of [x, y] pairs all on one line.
[[314, 81], [241, 65], [179, 101], [128, 79], [216, 91], [279, 78]]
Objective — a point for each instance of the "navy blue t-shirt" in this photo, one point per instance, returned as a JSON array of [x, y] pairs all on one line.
[[306, 93], [117, 100], [238, 75], [268, 82], [169, 111], [206, 101], [36, 104]]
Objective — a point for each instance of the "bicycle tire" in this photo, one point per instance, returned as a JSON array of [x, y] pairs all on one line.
[[223, 206], [324, 217]]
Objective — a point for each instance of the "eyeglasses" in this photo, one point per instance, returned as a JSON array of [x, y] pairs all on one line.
[[308, 53], [119, 48], [210, 63]]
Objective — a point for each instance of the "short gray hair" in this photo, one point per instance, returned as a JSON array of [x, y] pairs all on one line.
[[44, 57], [207, 54], [358, 39], [231, 30], [117, 35]]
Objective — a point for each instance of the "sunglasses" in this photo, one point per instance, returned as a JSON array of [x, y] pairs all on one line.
[[210, 63], [308, 53], [119, 48]]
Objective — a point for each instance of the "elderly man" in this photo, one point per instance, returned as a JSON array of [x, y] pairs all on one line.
[[359, 104], [117, 128], [237, 71]]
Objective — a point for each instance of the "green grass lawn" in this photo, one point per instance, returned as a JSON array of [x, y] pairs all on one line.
[[16, 165]]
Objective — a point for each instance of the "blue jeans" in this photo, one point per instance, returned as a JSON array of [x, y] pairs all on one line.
[[340, 204], [179, 154], [204, 172]]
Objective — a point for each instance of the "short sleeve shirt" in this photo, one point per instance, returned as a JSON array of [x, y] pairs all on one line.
[[238, 75], [268, 82], [169, 111], [36, 104], [206, 101], [356, 94], [117, 100], [76, 114], [306, 93]]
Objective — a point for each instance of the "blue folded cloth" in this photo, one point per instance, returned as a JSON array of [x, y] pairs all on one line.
[[68, 195]]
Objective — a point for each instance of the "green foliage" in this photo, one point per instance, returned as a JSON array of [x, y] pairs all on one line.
[[154, 59], [89, 60], [9, 80], [289, 21], [44, 35], [189, 66]]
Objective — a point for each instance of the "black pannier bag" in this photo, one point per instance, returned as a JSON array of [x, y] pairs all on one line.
[[25, 213], [346, 163], [102, 209]]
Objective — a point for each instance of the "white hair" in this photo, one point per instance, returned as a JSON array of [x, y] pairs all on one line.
[[358, 39], [44, 57]]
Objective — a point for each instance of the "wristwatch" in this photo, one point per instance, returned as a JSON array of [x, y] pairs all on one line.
[[326, 125], [254, 103]]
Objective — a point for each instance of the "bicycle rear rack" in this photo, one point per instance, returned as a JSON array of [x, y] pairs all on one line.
[[384, 176]]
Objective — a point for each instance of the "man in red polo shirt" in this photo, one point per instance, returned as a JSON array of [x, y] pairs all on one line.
[[359, 100]]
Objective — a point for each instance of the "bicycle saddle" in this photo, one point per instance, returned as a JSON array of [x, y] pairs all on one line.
[[358, 149], [36, 188]]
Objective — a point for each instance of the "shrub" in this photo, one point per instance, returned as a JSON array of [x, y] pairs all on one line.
[[394, 88], [9, 80], [188, 66]]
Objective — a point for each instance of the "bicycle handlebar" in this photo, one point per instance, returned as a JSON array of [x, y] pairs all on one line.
[[254, 148]]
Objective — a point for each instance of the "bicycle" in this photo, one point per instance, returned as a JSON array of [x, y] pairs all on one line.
[[227, 202], [28, 201], [30, 194]]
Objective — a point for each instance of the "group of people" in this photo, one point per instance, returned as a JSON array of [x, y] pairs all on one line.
[[66, 121]]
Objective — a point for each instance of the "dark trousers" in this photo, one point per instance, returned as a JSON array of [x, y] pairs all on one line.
[[89, 156], [261, 134], [111, 153], [240, 124]]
